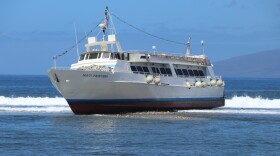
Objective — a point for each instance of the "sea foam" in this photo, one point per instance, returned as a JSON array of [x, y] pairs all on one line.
[[249, 102], [243, 104], [33, 104]]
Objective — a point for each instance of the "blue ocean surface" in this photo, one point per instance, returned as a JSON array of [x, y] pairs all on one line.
[[36, 120]]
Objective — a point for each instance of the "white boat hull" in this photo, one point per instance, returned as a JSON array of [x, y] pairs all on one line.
[[96, 92]]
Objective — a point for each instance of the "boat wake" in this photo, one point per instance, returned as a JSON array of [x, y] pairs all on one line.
[[243, 104]]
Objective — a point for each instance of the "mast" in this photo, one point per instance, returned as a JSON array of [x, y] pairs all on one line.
[[104, 25], [108, 38], [188, 52], [202, 44]]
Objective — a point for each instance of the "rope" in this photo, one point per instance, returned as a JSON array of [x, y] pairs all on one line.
[[76, 44], [147, 33]]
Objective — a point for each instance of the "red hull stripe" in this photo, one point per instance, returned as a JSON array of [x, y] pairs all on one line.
[[88, 107]]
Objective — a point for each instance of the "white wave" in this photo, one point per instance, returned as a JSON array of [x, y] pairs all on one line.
[[33, 104], [245, 105], [249, 102], [35, 109]]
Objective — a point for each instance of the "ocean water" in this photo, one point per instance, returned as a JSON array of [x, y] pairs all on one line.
[[36, 120]]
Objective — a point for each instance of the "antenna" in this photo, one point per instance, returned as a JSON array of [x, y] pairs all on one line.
[[154, 49], [54, 61], [77, 45], [202, 44], [188, 52]]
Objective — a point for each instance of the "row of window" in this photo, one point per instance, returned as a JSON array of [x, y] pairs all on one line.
[[189, 72], [163, 71], [140, 69], [156, 70], [100, 55], [167, 71]]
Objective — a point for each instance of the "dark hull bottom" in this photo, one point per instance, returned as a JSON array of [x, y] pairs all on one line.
[[112, 108]]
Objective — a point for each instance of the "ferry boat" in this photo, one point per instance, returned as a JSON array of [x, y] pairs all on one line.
[[108, 80]]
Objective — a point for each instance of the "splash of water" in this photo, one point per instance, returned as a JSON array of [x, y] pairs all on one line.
[[244, 104]]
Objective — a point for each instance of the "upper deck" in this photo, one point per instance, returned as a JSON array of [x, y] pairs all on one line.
[[108, 57]]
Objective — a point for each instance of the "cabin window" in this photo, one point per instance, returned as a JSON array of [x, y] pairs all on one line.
[[185, 72], [191, 72], [117, 56], [195, 72], [146, 70], [140, 69], [162, 71], [155, 70], [106, 55], [99, 55], [201, 73], [179, 71], [176, 72], [133, 68], [82, 57], [93, 55], [168, 71]]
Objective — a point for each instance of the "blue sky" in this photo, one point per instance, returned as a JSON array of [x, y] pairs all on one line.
[[33, 31]]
